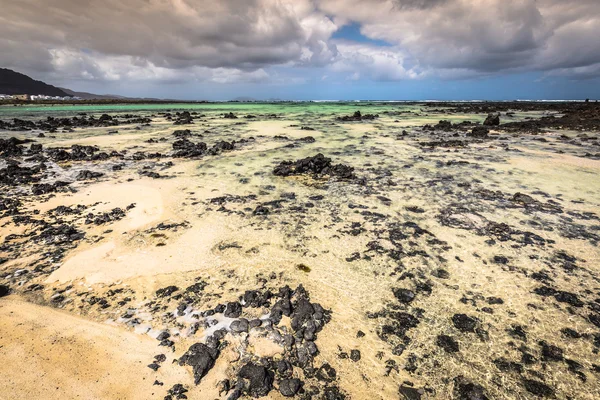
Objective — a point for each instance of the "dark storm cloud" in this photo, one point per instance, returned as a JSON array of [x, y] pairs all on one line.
[[235, 40], [169, 33], [173, 34]]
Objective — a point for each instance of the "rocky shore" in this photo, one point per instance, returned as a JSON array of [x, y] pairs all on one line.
[[409, 251]]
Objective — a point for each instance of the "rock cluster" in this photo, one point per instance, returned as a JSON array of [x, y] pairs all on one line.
[[318, 165], [51, 124], [357, 116], [258, 376], [184, 148]]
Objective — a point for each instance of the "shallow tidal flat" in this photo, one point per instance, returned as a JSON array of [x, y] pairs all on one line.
[[208, 251]]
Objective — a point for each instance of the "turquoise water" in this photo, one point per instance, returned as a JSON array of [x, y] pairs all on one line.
[[408, 113], [258, 108]]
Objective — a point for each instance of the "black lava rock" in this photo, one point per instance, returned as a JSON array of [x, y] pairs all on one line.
[[465, 390], [239, 326], [201, 358], [233, 310], [302, 313], [166, 291], [154, 366], [551, 352], [196, 288], [494, 300], [316, 165], [464, 323], [4, 290], [326, 373], [570, 298], [357, 116], [441, 273], [480, 132], [289, 387], [492, 120], [571, 333], [188, 149], [447, 343], [505, 365], [404, 295], [538, 388], [595, 319], [177, 390], [257, 380], [261, 210]]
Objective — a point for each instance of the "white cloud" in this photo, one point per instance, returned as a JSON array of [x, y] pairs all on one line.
[[481, 36], [377, 63]]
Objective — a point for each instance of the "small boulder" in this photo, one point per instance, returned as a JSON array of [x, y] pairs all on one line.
[[239, 326], [464, 323], [257, 380], [404, 295], [289, 387], [201, 358], [4, 290], [480, 132], [492, 120], [233, 310]]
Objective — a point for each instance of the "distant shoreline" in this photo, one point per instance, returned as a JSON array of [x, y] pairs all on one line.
[[12, 102]]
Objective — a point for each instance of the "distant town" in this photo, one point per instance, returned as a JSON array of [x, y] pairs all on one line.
[[34, 97]]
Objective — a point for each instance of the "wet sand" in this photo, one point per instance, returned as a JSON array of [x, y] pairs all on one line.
[[447, 266], [51, 354]]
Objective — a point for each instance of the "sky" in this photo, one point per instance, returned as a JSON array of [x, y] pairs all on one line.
[[308, 49]]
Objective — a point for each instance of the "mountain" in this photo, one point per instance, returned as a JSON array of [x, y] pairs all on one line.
[[92, 96], [12, 83]]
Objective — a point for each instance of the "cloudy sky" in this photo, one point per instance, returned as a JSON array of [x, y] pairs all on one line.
[[308, 49]]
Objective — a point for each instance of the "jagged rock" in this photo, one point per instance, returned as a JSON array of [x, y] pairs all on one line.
[[201, 358], [492, 120], [357, 116], [166, 291], [464, 323], [12, 147], [317, 165], [256, 380], [233, 310], [186, 148]]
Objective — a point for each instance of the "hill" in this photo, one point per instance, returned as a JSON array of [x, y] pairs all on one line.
[[12, 83], [91, 96]]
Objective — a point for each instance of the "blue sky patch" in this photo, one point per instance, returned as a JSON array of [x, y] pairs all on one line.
[[352, 32]]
